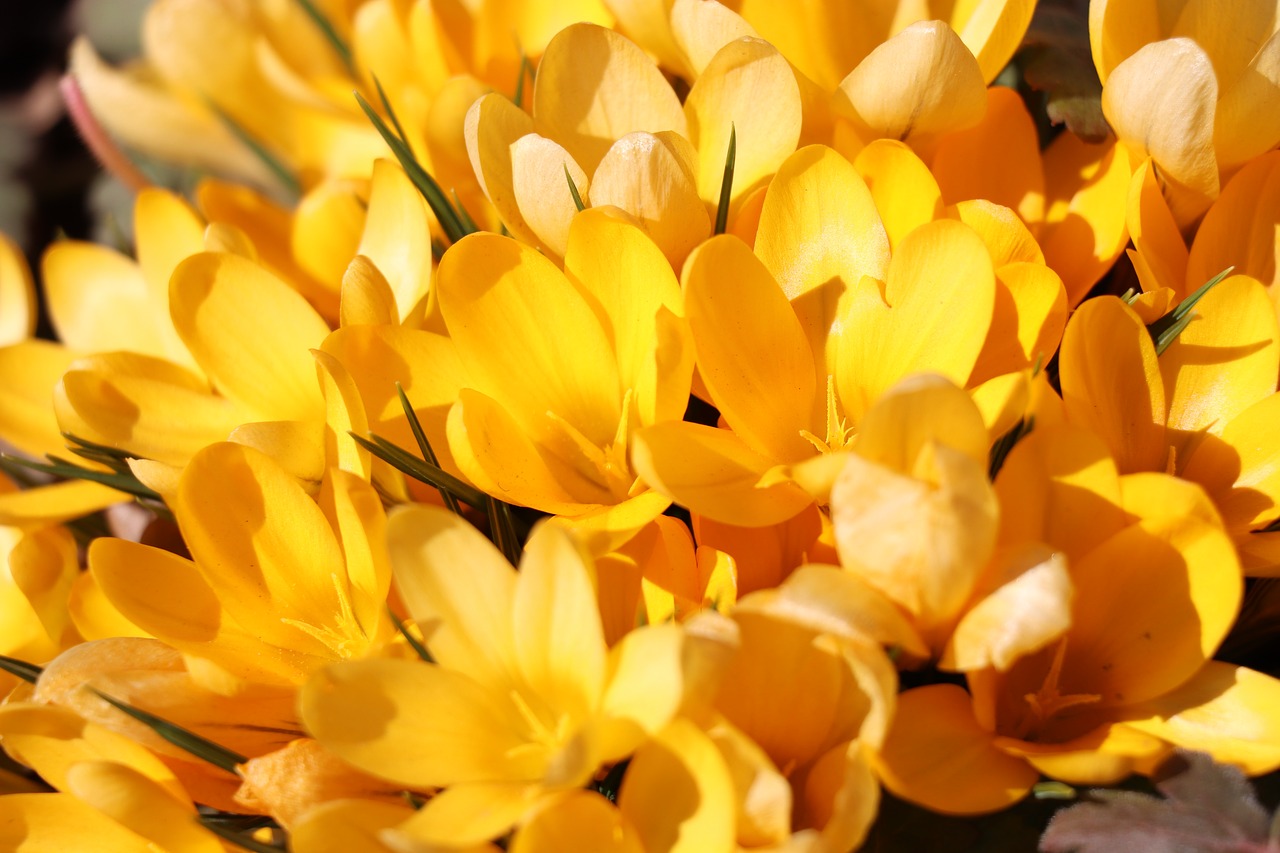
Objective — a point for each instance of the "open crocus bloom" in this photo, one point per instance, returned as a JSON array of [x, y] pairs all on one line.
[[525, 699], [1157, 585], [547, 421], [798, 339], [1202, 409], [1219, 114], [659, 161]]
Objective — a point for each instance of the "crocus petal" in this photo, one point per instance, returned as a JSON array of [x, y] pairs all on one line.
[[327, 228], [993, 31], [920, 409], [748, 86], [127, 403], [366, 298], [583, 820], [52, 740], [752, 352], [605, 528], [500, 335], [1111, 383], [701, 30], [763, 556], [1192, 585], [586, 67], [466, 616], [922, 544], [344, 415], [56, 502], [1238, 469], [678, 793], [905, 192], [919, 84], [1239, 229], [137, 802], [561, 649], [17, 295], [1030, 315], [1224, 710], [370, 714], [143, 582], [493, 450], [396, 230], [1059, 485], [30, 369], [1102, 756], [932, 315], [270, 223], [1118, 29], [1222, 363], [340, 826], [493, 124], [1022, 604], [540, 173], [938, 756], [424, 363], [819, 235], [265, 365], [47, 823], [997, 159], [84, 282], [1244, 129], [1161, 102], [1084, 231], [614, 262], [650, 176], [646, 684], [252, 558], [1161, 257], [465, 814], [714, 473]]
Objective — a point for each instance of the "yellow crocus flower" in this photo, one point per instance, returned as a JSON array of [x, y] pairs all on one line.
[[1202, 410], [796, 340], [525, 700], [1157, 586], [562, 369], [1193, 89], [658, 161]]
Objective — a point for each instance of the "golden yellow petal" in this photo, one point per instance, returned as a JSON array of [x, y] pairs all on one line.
[[919, 84], [938, 755], [586, 67]]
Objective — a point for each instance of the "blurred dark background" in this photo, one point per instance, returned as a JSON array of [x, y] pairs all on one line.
[[49, 183]]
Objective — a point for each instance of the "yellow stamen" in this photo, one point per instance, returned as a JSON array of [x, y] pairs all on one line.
[[345, 627], [839, 433], [1047, 703]]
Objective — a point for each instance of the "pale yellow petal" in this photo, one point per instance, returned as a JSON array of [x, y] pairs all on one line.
[[540, 173]]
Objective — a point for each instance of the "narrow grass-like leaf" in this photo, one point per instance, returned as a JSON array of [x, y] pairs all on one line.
[[331, 35], [1005, 443], [202, 748], [413, 641], [573, 190], [1166, 330], [502, 528], [439, 203], [726, 185], [391, 114], [273, 163], [243, 841], [28, 672], [463, 214], [423, 472], [424, 446], [526, 70], [69, 470]]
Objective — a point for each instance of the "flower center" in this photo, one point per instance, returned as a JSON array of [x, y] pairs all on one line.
[[839, 434], [1049, 702]]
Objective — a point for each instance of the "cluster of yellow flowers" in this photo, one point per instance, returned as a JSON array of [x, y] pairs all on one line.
[[567, 443]]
